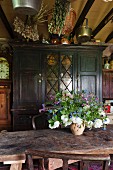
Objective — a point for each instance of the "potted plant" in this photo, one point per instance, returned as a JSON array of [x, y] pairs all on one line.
[[77, 108]]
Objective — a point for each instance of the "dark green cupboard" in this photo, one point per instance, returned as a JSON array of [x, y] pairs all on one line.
[[39, 71]]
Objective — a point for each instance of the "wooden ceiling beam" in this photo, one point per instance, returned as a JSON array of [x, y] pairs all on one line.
[[103, 23], [6, 23], [109, 37], [82, 16]]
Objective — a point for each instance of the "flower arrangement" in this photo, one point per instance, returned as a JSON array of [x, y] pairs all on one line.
[[80, 108]]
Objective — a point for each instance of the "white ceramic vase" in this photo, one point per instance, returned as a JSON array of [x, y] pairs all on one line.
[[76, 129]]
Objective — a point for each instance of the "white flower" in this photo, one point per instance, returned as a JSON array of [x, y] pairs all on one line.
[[72, 119], [68, 123], [90, 124], [106, 121], [64, 118], [77, 120], [98, 123], [56, 124], [51, 127], [102, 113]]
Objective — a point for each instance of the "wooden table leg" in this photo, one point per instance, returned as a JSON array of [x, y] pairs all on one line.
[[30, 165], [16, 166], [106, 165], [41, 164], [65, 164]]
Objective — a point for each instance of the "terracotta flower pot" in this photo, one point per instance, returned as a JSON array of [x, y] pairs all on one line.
[[76, 129]]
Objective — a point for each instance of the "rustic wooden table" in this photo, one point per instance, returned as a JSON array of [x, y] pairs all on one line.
[[53, 143]]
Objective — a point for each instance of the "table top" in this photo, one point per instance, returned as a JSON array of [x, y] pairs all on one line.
[[14, 144]]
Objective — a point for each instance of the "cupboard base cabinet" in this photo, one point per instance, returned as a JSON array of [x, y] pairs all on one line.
[[39, 71]]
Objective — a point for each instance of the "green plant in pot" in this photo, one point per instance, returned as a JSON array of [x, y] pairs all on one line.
[[57, 20]]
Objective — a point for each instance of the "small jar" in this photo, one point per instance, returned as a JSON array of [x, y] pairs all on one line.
[[107, 65]]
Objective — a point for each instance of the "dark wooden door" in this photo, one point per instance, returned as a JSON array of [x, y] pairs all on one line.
[[27, 79], [89, 72], [27, 87]]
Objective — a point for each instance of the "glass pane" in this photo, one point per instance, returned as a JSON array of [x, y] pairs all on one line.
[[66, 73], [52, 71], [58, 74]]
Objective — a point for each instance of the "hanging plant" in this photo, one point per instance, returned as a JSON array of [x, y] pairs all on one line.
[[57, 21]]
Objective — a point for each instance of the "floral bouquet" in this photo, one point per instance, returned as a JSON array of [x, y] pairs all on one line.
[[79, 108]]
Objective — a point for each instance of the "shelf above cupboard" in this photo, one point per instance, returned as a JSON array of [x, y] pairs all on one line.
[[107, 70]]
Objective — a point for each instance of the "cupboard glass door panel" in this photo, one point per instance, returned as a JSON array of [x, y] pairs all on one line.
[[66, 73], [58, 73]]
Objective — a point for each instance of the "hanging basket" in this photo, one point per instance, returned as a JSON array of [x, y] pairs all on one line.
[[27, 7]]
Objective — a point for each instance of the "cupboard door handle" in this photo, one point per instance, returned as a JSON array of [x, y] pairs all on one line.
[[79, 77]]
